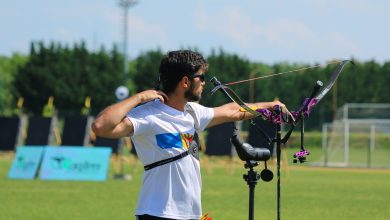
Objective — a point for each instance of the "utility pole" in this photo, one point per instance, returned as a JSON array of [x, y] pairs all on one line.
[[125, 5], [252, 85], [1, 96], [334, 100]]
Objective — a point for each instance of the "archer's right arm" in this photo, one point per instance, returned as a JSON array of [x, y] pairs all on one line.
[[112, 122]]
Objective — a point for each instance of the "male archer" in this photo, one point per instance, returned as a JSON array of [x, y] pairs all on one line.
[[164, 130]]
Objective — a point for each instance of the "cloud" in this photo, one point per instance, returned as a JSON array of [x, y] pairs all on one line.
[[139, 30], [285, 36], [105, 22], [142, 30], [362, 8], [67, 34], [338, 45], [286, 33], [228, 22], [243, 31]]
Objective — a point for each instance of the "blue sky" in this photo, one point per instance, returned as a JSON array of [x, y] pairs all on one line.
[[266, 31]]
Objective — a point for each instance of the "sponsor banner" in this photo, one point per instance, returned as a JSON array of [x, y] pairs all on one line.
[[26, 162], [75, 163]]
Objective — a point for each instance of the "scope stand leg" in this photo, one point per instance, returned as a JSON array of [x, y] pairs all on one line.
[[278, 154], [251, 178]]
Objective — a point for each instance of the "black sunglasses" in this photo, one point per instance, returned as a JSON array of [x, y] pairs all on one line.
[[201, 77]]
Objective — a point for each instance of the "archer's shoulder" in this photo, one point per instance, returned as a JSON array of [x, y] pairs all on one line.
[[145, 109], [194, 106]]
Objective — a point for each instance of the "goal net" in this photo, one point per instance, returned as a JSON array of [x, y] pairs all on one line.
[[359, 137]]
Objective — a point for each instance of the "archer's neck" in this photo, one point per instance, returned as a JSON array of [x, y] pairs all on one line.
[[177, 102]]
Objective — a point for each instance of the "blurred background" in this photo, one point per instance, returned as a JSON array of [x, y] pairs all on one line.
[[62, 62], [77, 49]]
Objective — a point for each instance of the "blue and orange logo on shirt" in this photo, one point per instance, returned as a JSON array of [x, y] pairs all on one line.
[[174, 140]]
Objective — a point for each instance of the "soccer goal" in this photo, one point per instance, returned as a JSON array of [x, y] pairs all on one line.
[[359, 137]]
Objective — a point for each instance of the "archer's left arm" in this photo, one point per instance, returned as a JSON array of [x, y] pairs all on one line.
[[231, 112]]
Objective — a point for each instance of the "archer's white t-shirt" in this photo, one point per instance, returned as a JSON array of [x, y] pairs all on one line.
[[172, 190]]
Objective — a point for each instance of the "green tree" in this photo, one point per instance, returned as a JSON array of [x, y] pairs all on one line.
[[8, 68], [144, 73], [69, 75], [226, 68]]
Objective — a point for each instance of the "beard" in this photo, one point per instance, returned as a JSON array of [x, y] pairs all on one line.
[[190, 94]]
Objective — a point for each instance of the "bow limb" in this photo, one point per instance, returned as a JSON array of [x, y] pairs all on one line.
[[312, 101], [265, 114], [230, 94], [336, 73], [309, 103]]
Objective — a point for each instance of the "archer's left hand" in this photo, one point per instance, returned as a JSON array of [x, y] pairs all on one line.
[[283, 107]]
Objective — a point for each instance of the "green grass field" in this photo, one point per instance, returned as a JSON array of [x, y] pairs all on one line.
[[307, 193]]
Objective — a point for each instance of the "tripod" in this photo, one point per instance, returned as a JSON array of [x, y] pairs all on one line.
[[251, 155], [251, 179], [266, 175]]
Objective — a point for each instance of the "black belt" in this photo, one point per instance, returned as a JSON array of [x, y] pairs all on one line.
[[165, 161]]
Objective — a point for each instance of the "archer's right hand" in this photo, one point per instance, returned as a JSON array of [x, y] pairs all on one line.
[[149, 95]]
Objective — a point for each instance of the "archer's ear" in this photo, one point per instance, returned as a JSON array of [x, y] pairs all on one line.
[[185, 81]]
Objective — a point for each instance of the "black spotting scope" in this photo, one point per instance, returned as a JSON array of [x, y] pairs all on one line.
[[246, 152]]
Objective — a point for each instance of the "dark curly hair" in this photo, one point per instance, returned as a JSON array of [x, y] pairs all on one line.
[[177, 64]]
